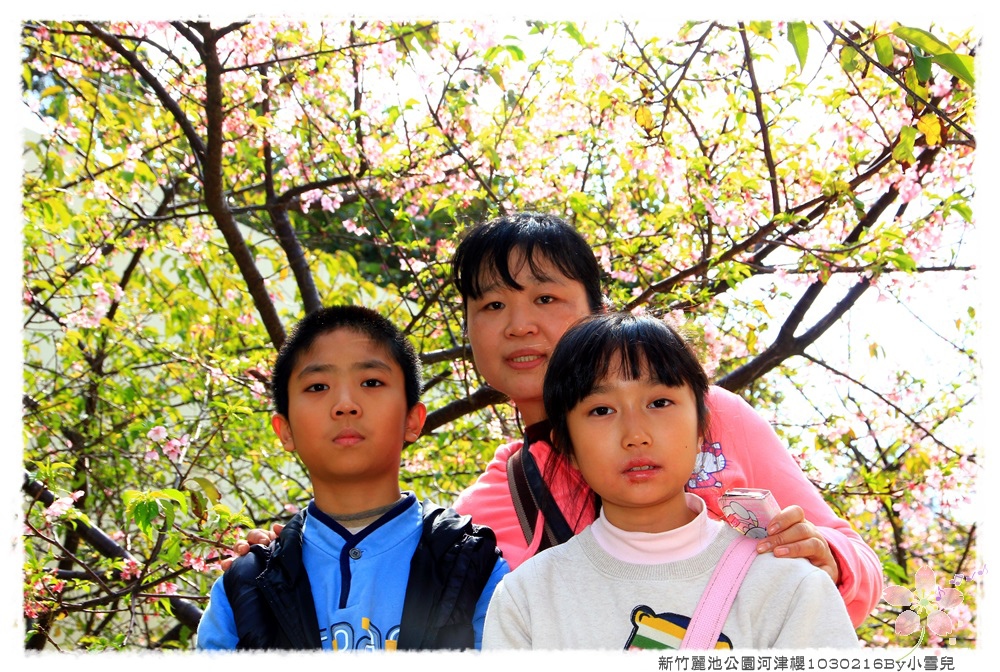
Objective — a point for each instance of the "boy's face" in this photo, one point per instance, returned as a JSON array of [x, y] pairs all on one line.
[[347, 415], [635, 443], [513, 332]]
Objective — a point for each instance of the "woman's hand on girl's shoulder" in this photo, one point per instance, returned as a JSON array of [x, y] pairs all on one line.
[[790, 535]]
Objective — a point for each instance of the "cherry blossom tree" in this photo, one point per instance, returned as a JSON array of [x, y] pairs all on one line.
[[196, 188]]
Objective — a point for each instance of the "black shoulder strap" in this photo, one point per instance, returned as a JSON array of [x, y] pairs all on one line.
[[530, 495]]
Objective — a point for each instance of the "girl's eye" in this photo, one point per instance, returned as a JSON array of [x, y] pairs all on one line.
[[660, 403], [546, 299], [601, 410], [317, 387], [492, 305]]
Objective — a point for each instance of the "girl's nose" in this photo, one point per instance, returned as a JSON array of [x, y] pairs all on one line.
[[636, 436]]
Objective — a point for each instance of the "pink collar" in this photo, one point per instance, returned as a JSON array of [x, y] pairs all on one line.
[[645, 548]]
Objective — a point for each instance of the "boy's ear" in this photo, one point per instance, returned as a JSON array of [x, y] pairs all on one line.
[[415, 418], [283, 429]]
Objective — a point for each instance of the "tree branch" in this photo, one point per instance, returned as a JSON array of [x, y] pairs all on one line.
[[481, 398], [215, 198], [186, 613], [786, 345]]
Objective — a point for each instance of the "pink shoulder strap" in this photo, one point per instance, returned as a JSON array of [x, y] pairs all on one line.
[[706, 624]]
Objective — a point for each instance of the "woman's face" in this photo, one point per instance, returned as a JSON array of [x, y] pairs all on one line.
[[513, 331]]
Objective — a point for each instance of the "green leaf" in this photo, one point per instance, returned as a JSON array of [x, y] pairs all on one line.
[[964, 211], [143, 511], [901, 260], [922, 65], [922, 39], [884, 51], [573, 32], [762, 28], [849, 59], [515, 51], [903, 151], [173, 495], [912, 80], [207, 487], [959, 65], [798, 35]]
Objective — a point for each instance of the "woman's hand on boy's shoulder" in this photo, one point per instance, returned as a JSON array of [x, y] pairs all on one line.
[[790, 535], [254, 536]]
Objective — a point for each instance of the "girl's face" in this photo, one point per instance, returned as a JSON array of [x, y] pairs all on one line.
[[513, 332], [635, 442]]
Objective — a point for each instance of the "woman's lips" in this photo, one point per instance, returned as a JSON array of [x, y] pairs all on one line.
[[525, 359]]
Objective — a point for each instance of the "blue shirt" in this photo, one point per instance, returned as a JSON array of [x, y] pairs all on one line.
[[358, 582]]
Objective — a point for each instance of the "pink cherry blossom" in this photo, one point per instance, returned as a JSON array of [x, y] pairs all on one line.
[[157, 433], [928, 599]]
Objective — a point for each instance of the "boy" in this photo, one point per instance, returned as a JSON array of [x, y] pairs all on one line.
[[346, 388]]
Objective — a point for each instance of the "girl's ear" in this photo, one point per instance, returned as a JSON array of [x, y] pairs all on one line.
[[552, 442]]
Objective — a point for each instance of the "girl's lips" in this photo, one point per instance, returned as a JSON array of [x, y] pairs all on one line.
[[640, 471]]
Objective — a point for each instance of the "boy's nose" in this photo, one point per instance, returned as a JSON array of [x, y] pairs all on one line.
[[345, 405]]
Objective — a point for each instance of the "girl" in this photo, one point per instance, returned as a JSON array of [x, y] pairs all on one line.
[[626, 399]]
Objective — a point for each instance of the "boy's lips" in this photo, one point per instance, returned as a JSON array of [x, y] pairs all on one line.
[[348, 437]]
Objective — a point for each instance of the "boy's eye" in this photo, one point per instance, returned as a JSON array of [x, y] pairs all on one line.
[[372, 382], [660, 403], [546, 299]]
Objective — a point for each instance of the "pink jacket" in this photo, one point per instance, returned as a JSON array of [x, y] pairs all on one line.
[[744, 453]]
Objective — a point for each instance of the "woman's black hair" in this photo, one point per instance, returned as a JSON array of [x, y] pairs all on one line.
[[484, 254], [640, 345]]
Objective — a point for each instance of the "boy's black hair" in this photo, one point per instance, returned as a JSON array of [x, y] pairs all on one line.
[[357, 318], [484, 254], [587, 350]]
